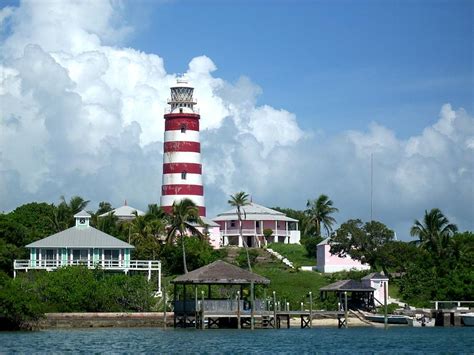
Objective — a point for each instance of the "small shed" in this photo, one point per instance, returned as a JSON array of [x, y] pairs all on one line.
[[379, 282], [360, 296], [216, 273]]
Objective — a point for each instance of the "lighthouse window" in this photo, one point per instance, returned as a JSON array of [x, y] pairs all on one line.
[[180, 110], [183, 128], [183, 175]]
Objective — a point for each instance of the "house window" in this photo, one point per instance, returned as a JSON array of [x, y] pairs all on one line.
[[258, 224], [183, 128], [80, 254], [183, 175], [49, 254], [111, 254], [232, 223]]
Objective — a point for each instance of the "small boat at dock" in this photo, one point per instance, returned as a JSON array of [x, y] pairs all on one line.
[[421, 320], [468, 319], [391, 319]]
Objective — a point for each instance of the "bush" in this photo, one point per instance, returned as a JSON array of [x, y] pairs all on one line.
[[242, 257], [310, 244], [20, 306]]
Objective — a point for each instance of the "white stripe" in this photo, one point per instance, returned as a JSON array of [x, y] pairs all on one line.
[[168, 200], [192, 179], [176, 135], [182, 157]]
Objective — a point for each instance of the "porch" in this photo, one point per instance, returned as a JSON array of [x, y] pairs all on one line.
[[105, 264]]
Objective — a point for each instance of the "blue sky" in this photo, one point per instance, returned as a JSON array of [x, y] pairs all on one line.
[[303, 94], [337, 64]]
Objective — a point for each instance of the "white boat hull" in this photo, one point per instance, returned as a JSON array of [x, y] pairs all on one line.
[[468, 319], [421, 321]]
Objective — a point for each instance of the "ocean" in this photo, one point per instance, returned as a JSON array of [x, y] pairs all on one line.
[[356, 340]]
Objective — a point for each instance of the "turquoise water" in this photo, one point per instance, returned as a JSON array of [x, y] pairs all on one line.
[[395, 340]]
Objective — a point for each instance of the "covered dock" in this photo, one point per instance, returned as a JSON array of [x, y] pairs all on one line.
[[224, 308]]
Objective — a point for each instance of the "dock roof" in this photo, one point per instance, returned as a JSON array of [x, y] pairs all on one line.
[[220, 273], [347, 285]]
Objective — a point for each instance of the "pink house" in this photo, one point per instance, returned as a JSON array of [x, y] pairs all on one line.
[[256, 219], [327, 262]]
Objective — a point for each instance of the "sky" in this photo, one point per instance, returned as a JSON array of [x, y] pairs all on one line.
[[295, 97]]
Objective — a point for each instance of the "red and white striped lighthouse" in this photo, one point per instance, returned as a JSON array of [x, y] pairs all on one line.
[[182, 167]]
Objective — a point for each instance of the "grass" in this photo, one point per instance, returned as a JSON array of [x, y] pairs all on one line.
[[294, 252], [292, 286]]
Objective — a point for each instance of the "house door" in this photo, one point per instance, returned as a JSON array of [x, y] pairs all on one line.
[[250, 241]]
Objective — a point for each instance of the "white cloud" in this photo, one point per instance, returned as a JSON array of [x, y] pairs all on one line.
[[83, 115]]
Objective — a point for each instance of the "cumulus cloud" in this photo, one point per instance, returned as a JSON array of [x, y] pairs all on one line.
[[82, 114]]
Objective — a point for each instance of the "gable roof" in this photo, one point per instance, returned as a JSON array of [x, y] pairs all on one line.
[[82, 214], [124, 212], [220, 272], [80, 237], [254, 212], [347, 285], [375, 276]]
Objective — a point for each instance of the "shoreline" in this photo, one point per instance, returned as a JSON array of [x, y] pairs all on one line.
[[153, 319]]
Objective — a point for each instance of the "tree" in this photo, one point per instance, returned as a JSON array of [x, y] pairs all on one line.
[[239, 200], [434, 233], [183, 220], [319, 213], [63, 215], [361, 241]]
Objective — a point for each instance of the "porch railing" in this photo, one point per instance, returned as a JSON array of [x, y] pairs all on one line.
[[279, 232], [102, 263]]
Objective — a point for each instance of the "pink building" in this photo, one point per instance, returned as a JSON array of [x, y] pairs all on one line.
[[377, 281], [327, 262], [256, 218]]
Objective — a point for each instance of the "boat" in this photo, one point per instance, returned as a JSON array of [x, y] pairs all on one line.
[[391, 319], [421, 320], [468, 319]]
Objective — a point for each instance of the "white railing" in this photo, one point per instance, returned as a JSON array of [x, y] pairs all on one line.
[[252, 232], [101, 263]]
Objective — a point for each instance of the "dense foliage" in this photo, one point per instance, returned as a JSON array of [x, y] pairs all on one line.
[[72, 289]]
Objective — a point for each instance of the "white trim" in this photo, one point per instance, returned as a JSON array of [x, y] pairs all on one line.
[[182, 157], [191, 179], [168, 200], [177, 136]]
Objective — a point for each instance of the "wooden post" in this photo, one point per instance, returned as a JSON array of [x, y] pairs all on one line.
[[252, 305], [196, 311], [238, 309], [345, 308], [164, 301], [174, 304], [202, 310], [385, 301], [274, 310], [310, 309]]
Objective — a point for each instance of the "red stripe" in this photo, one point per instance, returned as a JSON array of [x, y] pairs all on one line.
[[169, 210], [182, 189], [177, 123], [181, 146], [178, 168]]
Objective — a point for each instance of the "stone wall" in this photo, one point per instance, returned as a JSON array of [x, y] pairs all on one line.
[[100, 320]]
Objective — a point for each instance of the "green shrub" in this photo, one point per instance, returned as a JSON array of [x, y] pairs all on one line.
[[242, 257], [310, 244]]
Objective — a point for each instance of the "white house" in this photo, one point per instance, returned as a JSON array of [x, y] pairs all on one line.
[[124, 213], [256, 218], [87, 246]]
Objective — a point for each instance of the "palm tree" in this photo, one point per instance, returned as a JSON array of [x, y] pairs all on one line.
[[183, 220], [434, 233], [63, 214], [239, 200], [319, 213]]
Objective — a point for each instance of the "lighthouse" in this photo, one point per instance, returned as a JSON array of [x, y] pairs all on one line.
[[182, 169]]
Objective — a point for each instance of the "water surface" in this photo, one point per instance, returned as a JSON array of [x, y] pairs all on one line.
[[395, 340]]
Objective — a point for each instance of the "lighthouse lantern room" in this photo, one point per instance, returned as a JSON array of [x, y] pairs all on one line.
[[182, 167]]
